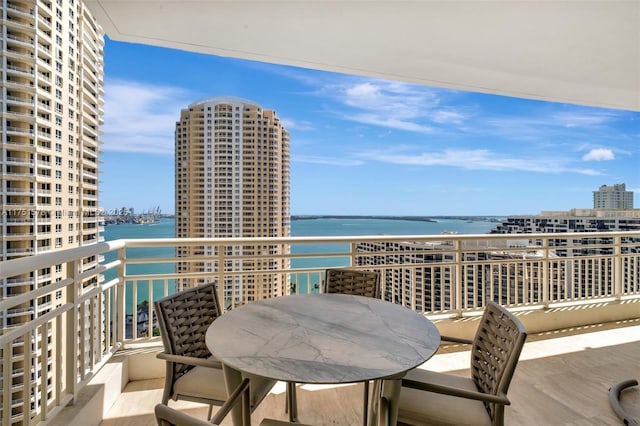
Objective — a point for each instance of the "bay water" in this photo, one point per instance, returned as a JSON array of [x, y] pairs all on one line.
[[343, 226]]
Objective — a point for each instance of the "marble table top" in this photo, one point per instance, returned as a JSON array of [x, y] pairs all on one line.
[[322, 338]]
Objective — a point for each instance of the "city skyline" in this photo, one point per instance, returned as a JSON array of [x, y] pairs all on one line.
[[362, 146]]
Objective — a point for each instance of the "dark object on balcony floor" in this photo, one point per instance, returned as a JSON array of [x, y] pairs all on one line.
[[614, 400]]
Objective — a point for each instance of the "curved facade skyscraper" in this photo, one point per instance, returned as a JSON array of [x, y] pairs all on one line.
[[232, 180]]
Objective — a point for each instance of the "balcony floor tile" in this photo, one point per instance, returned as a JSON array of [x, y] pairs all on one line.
[[563, 378]]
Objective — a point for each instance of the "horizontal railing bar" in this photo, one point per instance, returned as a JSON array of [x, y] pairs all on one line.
[[7, 303], [27, 327], [18, 266]]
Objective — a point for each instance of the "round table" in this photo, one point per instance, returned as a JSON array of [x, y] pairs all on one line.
[[322, 338]]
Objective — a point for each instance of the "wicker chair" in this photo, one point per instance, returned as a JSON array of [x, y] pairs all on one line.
[[167, 416], [358, 283], [192, 373], [476, 400], [352, 281]]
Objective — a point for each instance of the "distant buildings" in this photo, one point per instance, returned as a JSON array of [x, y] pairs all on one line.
[[612, 211], [427, 274], [232, 180], [424, 274], [575, 220], [128, 215], [613, 197], [51, 109]]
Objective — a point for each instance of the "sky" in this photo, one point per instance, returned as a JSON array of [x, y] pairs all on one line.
[[362, 146]]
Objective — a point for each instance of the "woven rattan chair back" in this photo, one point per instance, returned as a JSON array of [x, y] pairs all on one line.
[[183, 319], [495, 353], [352, 281]]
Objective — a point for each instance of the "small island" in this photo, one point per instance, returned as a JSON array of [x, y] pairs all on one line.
[[432, 219]]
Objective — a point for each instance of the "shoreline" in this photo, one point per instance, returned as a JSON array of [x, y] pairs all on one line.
[[432, 219]]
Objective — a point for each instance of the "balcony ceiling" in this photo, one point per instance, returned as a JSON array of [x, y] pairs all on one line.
[[581, 52]]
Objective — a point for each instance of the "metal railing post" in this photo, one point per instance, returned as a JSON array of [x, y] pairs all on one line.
[[546, 275], [119, 320], [457, 279], [618, 285], [72, 324]]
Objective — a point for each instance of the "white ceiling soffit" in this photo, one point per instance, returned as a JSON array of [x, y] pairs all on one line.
[[582, 52]]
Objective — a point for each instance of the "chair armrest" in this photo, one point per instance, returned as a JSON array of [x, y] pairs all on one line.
[[240, 393], [190, 360], [456, 340], [462, 393]]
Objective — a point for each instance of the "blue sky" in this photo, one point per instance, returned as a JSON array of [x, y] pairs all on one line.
[[362, 146]]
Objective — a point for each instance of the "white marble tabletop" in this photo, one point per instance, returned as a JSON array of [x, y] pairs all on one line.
[[322, 338]]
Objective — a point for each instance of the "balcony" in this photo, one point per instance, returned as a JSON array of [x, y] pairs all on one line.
[[580, 306]]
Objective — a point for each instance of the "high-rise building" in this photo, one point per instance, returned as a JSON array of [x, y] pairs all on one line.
[[575, 220], [232, 180], [613, 197], [51, 108]]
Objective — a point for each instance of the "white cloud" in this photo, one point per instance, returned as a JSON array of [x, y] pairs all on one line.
[[583, 118], [599, 154], [302, 125], [140, 117], [476, 159], [448, 116], [388, 122], [392, 105], [329, 161]]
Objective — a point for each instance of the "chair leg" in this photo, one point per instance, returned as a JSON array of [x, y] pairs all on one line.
[[210, 411], [292, 402], [365, 403]]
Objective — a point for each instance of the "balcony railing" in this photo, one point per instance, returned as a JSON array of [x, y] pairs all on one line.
[[96, 308]]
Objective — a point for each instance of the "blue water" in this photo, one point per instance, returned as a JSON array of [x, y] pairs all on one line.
[[308, 227], [163, 229]]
